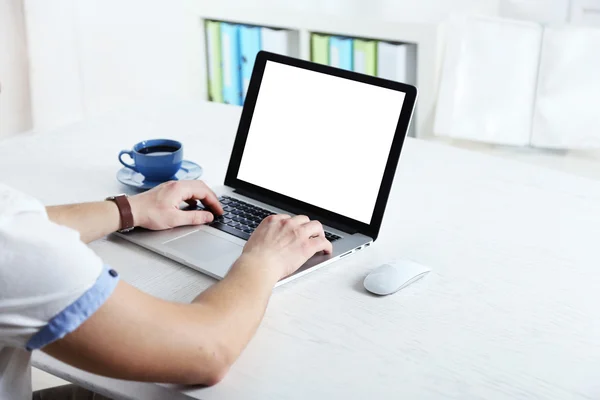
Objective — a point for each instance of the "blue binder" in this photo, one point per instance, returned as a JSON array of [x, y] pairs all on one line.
[[230, 56], [250, 39], [341, 52]]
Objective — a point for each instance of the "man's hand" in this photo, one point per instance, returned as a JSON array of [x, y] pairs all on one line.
[[286, 243], [159, 208], [155, 209]]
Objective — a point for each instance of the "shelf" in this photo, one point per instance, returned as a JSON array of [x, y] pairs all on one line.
[[426, 36]]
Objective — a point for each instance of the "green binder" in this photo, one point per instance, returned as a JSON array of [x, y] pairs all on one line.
[[365, 56], [215, 71], [320, 48]]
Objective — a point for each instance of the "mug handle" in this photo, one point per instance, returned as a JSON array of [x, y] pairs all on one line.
[[130, 154]]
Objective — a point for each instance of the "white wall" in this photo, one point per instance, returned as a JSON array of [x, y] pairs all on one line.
[[56, 91], [131, 51], [90, 57], [15, 114], [434, 10], [395, 10]]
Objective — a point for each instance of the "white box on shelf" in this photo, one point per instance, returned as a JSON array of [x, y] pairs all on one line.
[[487, 88], [542, 11], [566, 111], [585, 12]]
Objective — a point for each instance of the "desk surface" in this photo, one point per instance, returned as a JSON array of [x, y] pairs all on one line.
[[509, 311]]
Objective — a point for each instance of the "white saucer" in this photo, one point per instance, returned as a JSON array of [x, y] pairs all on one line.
[[188, 171]]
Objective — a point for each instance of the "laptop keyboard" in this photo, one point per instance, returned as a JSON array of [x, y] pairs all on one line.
[[241, 219]]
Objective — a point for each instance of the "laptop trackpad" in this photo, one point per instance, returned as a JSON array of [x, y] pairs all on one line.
[[205, 248]]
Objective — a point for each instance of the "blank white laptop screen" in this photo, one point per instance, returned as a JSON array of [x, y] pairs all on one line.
[[321, 139]]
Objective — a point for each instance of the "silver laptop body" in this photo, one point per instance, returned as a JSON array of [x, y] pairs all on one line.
[[212, 251]]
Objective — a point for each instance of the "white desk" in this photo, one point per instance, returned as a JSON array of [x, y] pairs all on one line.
[[511, 309]]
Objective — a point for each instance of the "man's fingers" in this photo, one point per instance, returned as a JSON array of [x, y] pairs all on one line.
[[278, 217], [193, 218], [200, 191], [300, 219], [312, 229], [319, 243]]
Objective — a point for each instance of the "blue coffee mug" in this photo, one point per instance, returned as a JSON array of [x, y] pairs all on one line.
[[156, 159]]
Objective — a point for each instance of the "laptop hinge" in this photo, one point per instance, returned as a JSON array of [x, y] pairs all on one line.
[[297, 211]]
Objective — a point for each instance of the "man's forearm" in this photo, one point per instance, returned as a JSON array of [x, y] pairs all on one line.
[[91, 220], [163, 341], [239, 302]]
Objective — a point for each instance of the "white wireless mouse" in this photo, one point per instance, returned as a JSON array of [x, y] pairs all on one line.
[[388, 279]]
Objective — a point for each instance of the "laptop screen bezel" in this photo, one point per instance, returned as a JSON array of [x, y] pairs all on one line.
[[326, 217]]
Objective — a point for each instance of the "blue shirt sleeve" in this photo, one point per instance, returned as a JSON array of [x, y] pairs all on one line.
[[77, 313]]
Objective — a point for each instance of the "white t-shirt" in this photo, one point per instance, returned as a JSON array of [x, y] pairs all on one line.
[[50, 283]]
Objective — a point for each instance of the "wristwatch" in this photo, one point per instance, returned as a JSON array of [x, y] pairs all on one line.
[[124, 207]]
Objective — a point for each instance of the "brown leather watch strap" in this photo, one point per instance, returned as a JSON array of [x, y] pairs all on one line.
[[124, 207]]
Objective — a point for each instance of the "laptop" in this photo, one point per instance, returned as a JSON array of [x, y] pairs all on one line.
[[312, 140]]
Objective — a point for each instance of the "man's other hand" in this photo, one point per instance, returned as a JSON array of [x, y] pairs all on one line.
[[286, 243], [159, 208]]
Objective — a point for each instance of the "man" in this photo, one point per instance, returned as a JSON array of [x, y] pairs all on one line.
[[57, 295]]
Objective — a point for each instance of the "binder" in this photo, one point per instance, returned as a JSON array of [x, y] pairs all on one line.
[[320, 48], [215, 74], [340, 52], [278, 41], [397, 62], [230, 53], [365, 56], [250, 45]]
